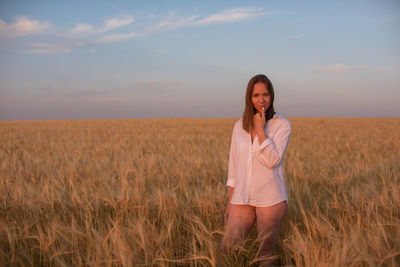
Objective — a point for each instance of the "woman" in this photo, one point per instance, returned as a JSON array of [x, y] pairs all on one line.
[[257, 189]]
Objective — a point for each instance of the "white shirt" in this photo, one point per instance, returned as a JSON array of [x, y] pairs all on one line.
[[256, 171]]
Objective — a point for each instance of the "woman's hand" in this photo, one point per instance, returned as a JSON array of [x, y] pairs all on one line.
[[259, 121], [228, 209], [259, 124]]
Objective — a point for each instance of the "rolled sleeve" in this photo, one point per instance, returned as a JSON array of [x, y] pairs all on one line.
[[232, 165], [264, 144], [272, 150], [231, 182]]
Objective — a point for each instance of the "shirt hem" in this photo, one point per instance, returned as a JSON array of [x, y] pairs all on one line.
[[263, 205]]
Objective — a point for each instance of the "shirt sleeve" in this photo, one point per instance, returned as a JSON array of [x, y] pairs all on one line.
[[272, 150], [232, 165]]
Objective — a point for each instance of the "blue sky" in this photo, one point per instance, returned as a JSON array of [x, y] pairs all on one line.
[[141, 59]]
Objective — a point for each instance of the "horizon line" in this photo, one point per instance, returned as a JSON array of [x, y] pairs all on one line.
[[198, 118]]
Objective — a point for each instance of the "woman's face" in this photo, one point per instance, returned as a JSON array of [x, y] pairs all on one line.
[[260, 97]]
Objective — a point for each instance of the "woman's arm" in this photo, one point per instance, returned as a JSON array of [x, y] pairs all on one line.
[[232, 162], [228, 208], [271, 150], [231, 172], [259, 124], [230, 194]]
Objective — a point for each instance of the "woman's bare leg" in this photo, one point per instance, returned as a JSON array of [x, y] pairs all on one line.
[[240, 220], [269, 222]]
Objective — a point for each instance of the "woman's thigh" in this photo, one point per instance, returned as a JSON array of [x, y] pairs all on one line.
[[240, 220], [269, 221]]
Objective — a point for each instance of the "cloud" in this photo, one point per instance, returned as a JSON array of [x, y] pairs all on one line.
[[227, 16], [172, 22], [114, 23], [22, 26], [87, 36], [48, 48], [341, 68], [82, 29], [232, 15], [109, 38], [61, 46]]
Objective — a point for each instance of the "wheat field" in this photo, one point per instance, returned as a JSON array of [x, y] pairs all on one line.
[[151, 192]]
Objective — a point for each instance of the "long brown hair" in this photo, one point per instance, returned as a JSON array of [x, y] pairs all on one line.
[[249, 110]]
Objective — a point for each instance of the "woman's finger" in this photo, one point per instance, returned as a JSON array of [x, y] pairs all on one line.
[[263, 114]]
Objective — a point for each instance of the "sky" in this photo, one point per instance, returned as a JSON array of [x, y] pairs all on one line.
[[156, 59]]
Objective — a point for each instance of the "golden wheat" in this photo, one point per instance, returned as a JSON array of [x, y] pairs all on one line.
[[152, 192]]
